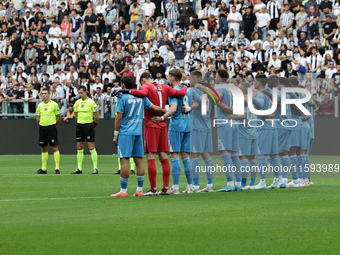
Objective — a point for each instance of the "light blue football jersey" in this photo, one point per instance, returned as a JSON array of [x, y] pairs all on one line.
[[245, 130], [199, 121], [264, 103], [227, 100], [179, 121], [133, 113]]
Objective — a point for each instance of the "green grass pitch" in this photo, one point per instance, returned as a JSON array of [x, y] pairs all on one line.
[[66, 214]]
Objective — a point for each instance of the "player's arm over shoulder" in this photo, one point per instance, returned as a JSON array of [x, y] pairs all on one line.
[[144, 92], [156, 109], [173, 92]]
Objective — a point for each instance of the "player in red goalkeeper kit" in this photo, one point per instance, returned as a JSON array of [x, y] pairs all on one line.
[[155, 130]]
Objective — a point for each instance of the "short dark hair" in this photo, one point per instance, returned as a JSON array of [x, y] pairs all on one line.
[[83, 88], [223, 73], [284, 81], [273, 81], [294, 81], [176, 73], [127, 80], [196, 75], [46, 89], [145, 75]]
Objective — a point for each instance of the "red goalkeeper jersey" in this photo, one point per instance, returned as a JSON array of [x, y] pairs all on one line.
[[157, 94]]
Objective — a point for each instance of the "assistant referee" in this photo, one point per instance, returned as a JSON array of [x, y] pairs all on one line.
[[84, 110], [48, 116]]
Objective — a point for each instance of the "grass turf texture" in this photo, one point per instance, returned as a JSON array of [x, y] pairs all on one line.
[[82, 218]]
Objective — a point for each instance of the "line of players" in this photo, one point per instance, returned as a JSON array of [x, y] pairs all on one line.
[[190, 135]]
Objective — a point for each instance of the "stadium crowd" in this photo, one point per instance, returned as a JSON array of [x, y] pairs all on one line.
[[69, 43]]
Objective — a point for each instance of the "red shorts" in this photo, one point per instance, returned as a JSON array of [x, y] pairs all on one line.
[[156, 140]]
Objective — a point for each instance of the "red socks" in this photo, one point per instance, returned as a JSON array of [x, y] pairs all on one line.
[[152, 171], [166, 173]]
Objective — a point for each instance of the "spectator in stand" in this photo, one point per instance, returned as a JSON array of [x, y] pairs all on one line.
[[10, 94], [212, 24], [63, 12], [107, 63], [329, 29], [149, 9], [128, 72], [314, 63], [151, 32], [50, 14], [16, 65], [185, 12], [312, 20], [326, 108], [180, 51], [234, 20], [27, 21], [119, 66], [17, 43], [160, 80], [72, 71], [286, 21], [91, 21], [94, 64], [208, 11], [157, 68], [263, 22], [335, 82], [68, 114], [133, 12], [7, 58], [118, 41], [65, 28], [172, 10], [274, 62], [139, 34], [54, 34], [249, 22], [108, 74], [113, 33], [30, 94], [96, 85]]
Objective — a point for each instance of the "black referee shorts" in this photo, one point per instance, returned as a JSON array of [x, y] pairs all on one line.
[[48, 135], [85, 132]]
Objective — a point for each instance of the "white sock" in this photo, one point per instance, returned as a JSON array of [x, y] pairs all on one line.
[[285, 180], [123, 190], [238, 183], [295, 181], [139, 189], [262, 181], [276, 179], [230, 184], [300, 180], [209, 185], [175, 187], [196, 187], [306, 179], [189, 186]]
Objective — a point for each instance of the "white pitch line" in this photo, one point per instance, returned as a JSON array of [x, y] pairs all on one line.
[[50, 198], [45, 175]]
